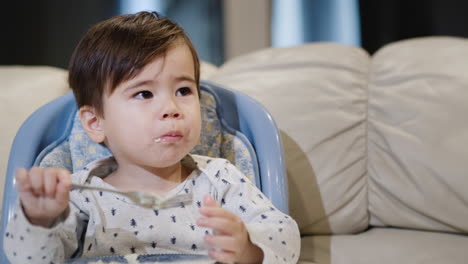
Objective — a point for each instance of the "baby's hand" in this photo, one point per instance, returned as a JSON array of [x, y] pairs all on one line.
[[44, 193], [230, 235]]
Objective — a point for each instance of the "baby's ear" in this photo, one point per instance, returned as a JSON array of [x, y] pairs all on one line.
[[92, 123]]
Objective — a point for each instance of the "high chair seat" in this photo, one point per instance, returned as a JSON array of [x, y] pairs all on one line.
[[234, 126]]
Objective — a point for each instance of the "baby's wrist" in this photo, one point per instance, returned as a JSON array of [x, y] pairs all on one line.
[[253, 255], [43, 221], [46, 223]]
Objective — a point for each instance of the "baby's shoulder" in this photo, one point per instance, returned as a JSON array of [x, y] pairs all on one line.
[[218, 169], [99, 168]]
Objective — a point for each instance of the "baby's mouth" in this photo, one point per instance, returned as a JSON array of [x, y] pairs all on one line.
[[171, 137]]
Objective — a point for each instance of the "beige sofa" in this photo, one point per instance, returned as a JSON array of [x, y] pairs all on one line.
[[376, 147]]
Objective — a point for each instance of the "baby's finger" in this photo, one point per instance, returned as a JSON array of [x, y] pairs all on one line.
[[210, 211], [221, 225], [222, 242], [37, 180], [50, 182], [209, 201], [22, 180], [63, 186], [222, 255]]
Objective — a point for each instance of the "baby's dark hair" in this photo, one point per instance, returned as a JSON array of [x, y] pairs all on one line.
[[117, 49]]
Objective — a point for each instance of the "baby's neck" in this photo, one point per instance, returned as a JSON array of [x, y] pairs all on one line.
[[154, 180]]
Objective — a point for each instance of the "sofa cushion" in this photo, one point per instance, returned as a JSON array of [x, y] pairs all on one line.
[[418, 135], [317, 95], [23, 90], [385, 246]]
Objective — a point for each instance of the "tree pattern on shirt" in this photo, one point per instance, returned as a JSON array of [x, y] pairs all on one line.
[[244, 201]]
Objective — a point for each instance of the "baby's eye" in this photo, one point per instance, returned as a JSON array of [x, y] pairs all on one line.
[[183, 91], [143, 95]]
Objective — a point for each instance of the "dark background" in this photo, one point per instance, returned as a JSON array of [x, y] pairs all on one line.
[[385, 21], [45, 32]]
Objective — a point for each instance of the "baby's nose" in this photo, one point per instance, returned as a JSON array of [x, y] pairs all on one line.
[[171, 115]]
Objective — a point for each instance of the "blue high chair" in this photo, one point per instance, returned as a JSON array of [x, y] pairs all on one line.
[[234, 126]]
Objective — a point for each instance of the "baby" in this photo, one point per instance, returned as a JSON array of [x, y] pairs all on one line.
[[136, 82]]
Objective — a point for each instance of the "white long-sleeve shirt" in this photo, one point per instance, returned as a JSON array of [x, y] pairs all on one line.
[[106, 224]]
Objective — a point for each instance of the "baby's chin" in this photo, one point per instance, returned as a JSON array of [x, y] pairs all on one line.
[[166, 163]]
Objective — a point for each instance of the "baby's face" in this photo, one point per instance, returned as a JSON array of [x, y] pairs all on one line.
[[153, 120]]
